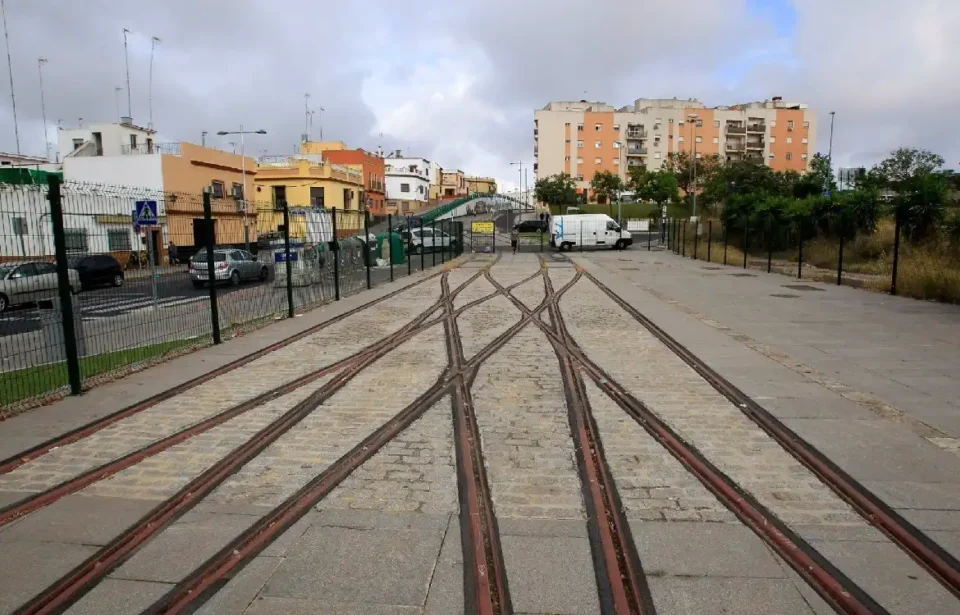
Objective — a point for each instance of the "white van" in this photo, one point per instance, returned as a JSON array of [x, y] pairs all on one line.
[[567, 232]]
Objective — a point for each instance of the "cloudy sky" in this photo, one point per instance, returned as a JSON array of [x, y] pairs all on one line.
[[457, 81]]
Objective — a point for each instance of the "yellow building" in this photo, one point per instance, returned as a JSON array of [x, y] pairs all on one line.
[[483, 185], [304, 181]]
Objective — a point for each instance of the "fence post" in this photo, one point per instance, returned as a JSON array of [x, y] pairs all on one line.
[[800, 251], [390, 242], [649, 234], [683, 239], [840, 257], [709, 239], [286, 258], [581, 236], [696, 237], [541, 239], [433, 243], [896, 252], [335, 248], [724, 244], [63, 286], [746, 244], [211, 275], [366, 244], [769, 244], [423, 248]]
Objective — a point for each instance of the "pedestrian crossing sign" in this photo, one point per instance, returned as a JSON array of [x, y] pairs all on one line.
[[145, 214]]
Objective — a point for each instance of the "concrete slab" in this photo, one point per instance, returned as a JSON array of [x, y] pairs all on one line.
[[702, 549], [182, 547], [856, 447], [374, 520], [292, 606], [9, 497], [542, 527], [242, 589], [366, 566], [445, 596], [685, 596], [892, 579], [26, 568], [915, 494], [794, 408], [550, 574], [948, 520], [948, 540], [79, 519], [119, 597]]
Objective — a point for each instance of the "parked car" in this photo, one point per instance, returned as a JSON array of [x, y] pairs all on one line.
[[29, 282], [97, 270], [532, 226], [568, 231], [420, 240], [230, 265]]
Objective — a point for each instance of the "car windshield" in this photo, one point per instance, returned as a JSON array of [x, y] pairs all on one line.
[[201, 256], [5, 271]]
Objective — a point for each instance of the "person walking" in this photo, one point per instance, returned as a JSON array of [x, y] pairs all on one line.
[[172, 254], [515, 237]]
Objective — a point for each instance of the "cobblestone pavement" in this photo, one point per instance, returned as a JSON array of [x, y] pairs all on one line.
[[387, 539]]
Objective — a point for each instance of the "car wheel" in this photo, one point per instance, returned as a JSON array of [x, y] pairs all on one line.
[[234, 279], [4, 303], [264, 273], [118, 279], [417, 249], [197, 284]]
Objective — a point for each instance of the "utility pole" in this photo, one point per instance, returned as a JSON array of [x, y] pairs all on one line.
[[693, 131], [321, 122], [13, 99], [126, 60], [43, 107], [153, 43], [306, 117], [830, 152], [203, 138]]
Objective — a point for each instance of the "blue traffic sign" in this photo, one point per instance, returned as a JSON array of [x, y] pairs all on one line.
[[145, 214]]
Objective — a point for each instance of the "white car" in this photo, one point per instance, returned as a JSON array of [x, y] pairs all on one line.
[[425, 239], [568, 231], [29, 282]]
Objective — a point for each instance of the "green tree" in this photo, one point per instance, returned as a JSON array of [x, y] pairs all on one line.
[[681, 165], [905, 163], [660, 187], [606, 186], [921, 202], [638, 176], [557, 191]]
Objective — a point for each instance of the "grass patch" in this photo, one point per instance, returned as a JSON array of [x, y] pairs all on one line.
[[35, 381]]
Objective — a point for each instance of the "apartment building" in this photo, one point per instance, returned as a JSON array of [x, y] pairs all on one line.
[[583, 138], [483, 185], [373, 197], [409, 181], [453, 183]]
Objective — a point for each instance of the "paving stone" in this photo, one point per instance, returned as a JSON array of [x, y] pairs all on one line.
[[26, 568], [290, 606], [182, 547], [513, 526], [480, 326], [948, 520], [693, 596], [120, 597], [800, 408], [702, 549], [550, 574], [79, 519], [234, 597], [358, 566], [531, 293], [478, 289], [378, 520], [914, 494]]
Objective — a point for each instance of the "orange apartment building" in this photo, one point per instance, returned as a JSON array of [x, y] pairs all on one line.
[[582, 138], [370, 164]]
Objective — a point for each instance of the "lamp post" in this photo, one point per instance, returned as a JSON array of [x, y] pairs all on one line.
[[693, 131], [126, 61], [153, 43], [116, 99], [43, 106], [13, 99], [830, 152], [243, 171], [520, 181]]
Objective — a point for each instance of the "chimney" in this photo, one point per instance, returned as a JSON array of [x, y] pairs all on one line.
[[127, 120], [399, 154]]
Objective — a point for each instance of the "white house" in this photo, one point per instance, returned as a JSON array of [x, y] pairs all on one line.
[[408, 182]]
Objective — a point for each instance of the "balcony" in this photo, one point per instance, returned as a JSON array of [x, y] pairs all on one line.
[[757, 127], [636, 151], [754, 144], [172, 149], [634, 133], [735, 146], [736, 130]]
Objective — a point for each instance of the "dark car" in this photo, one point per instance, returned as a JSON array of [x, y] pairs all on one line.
[[532, 226], [98, 270]]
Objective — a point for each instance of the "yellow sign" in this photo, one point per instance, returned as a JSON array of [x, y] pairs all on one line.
[[483, 228]]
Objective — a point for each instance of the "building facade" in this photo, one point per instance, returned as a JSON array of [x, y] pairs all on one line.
[[483, 185], [453, 183], [370, 164], [583, 138], [408, 183]]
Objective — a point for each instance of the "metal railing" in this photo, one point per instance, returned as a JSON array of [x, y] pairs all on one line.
[[731, 129], [172, 149]]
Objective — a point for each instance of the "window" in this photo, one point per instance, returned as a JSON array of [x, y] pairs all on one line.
[[699, 139], [20, 226], [566, 158], [716, 123], [77, 143], [597, 144], [716, 139], [48, 268], [773, 123], [133, 142], [580, 127], [76, 239], [118, 240], [680, 123], [656, 155], [699, 123], [773, 139], [404, 187], [317, 197], [279, 196], [616, 127], [237, 190], [217, 189], [579, 143], [347, 198], [805, 140], [789, 124], [25, 271], [789, 139], [598, 127], [680, 138], [612, 226], [804, 156], [699, 155], [567, 141], [771, 155], [616, 145], [598, 161], [567, 124], [670, 120], [789, 155], [806, 124], [579, 160]]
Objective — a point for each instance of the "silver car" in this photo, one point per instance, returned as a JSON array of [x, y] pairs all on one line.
[[29, 282], [229, 265]]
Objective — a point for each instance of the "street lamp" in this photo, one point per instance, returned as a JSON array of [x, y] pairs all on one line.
[[243, 171], [693, 132]]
